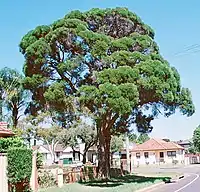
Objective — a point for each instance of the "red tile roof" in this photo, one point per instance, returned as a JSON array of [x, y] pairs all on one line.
[[156, 144], [4, 131]]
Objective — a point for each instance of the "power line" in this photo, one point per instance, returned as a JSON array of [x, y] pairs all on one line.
[[188, 49]]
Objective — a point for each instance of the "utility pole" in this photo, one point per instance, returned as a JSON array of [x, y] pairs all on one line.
[[127, 152]]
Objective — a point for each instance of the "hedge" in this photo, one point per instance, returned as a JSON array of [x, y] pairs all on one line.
[[10, 142], [19, 165]]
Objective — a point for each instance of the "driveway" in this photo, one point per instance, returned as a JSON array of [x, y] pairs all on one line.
[[191, 182]]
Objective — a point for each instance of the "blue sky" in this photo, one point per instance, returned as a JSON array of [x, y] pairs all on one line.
[[176, 24]]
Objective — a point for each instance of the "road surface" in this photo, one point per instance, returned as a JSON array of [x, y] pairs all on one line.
[[191, 182]]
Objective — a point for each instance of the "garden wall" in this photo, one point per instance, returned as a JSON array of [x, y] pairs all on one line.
[[3, 173]]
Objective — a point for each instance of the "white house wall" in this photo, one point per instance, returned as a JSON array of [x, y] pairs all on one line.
[[180, 157], [142, 160], [67, 155]]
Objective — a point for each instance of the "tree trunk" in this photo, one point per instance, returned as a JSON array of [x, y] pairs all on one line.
[[84, 157], [15, 116], [103, 170]]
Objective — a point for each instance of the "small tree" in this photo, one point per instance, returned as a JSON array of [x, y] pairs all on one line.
[[12, 94], [50, 136], [79, 132], [117, 143], [28, 126], [196, 139]]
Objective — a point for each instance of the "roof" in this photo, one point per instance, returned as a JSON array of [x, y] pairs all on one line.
[[156, 144], [59, 147], [183, 142], [4, 131]]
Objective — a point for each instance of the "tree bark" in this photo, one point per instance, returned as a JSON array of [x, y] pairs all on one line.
[[103, 170], [84, 157], [15, 115]]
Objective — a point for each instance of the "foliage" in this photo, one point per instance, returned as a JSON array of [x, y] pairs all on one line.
[[105, 60], [142, 138], [132, 137], [39, 160], [13, 95], [79, 132], [28, 127], [139, 139], [117, 143], [10, 142], [19, 164], [50, 136], [196, 139], [88, 173], [191, 149], [46, 179]]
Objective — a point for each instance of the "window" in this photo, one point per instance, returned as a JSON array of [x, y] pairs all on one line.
[[57, 154], [123, 156], [146, 155], [138, 155], [171, 153]]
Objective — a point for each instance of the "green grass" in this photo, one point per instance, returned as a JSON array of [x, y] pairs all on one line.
[[128, 183]]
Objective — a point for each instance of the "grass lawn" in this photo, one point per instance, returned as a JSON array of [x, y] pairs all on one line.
[[128, 183]]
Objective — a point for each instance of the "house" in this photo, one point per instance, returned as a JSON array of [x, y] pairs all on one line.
[[43, 149], [66, 154], [157, 151], [120, 157], [186, 144], [4, 131], [92, 154]]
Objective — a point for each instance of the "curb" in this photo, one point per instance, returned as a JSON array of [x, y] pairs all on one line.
[[151, 187], [160, 184]]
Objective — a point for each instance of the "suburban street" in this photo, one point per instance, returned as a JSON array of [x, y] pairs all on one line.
[[190, 183]]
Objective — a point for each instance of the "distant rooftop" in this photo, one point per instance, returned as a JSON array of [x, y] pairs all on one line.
[[156, 144], [182, 142], [4, 131]]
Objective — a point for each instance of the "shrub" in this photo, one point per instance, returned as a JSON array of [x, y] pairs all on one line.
[[88, 173], [175, 162], [39, 161], [19, 167], [6, 143], [46, 179]]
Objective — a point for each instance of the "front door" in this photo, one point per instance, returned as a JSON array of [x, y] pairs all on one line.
[[161, 154], [162, 157]]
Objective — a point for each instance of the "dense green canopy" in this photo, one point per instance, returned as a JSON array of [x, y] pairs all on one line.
[[108, 59]]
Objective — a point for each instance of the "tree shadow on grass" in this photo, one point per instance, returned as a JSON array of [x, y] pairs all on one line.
[[114, 182]]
